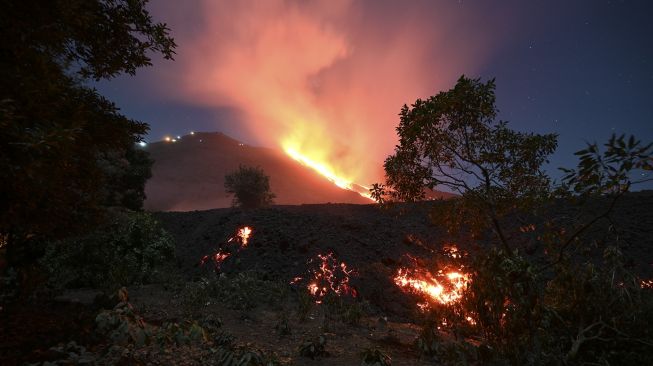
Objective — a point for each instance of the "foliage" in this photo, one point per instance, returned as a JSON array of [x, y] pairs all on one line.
[[250, 187], [130, 248], [452, 140], [375, 357], [305, 304], [242, 291], [428, 341], [314, 348], [283, 327], [123, 326], [66, 152], [565, 307], [243, 357], [348, 310]]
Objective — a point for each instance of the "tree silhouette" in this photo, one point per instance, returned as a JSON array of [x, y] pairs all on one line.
[[250, 187], [66, 151]]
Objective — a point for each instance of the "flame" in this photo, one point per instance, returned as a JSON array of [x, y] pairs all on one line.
[[328, 172], [446, 290], [244, 234], [329, 277], [223, 252], [443, 287]]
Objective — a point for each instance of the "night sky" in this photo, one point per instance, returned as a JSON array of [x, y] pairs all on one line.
[[582, 69]]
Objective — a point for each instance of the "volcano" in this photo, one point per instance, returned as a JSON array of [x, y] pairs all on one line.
[[188, 174]]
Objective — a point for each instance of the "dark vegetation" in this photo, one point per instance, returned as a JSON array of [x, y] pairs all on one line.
[[564, 308], [556, 268], [250, 187], [67, 154]]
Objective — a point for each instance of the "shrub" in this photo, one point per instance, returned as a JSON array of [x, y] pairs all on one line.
[[314, 348], [562, 308], [375, 357], [242, 291], [250, 187], [131, 248]]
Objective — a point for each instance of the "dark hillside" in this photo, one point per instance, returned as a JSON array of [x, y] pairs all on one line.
[[372, 240], [189, 174]]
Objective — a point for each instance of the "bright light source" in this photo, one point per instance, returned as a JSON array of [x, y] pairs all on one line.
[[192, 132], [142, 143], [174, 140], [178, 137], [167, 139]]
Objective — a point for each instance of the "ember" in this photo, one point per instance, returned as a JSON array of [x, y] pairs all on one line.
[[224, 251], [242, 236], [329, 277], [217, 259]]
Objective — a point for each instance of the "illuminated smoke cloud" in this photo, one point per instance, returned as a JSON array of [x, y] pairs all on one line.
[[324, 79]]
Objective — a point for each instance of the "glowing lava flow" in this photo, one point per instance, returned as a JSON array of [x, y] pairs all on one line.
[[225, 251], [445, 291], [328, 173], [443, 287], [329, 277]]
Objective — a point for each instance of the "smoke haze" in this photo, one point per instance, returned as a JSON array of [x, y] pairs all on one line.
[[325, 78]]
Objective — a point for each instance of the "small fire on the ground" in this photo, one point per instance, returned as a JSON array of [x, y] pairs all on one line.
[[242, 236], [234, 244], [440, 286], [646, 284], [329, 276]]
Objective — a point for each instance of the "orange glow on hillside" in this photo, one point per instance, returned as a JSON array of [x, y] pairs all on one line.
[[328, 172], [312, 79]]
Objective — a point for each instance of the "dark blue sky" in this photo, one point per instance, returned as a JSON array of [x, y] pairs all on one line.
[[582, 69]]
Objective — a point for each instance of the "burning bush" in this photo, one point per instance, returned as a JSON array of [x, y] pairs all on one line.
[[561, 308]]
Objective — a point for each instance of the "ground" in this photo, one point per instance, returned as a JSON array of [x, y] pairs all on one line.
[[285, 240]]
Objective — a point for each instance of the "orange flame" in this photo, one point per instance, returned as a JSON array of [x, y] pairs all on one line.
[[445, 291], [328, 172], [442, 287], [244, 235], [217, 259], [241, 237]]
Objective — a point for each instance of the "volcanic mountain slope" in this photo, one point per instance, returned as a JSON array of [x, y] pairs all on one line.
[[189, 175]]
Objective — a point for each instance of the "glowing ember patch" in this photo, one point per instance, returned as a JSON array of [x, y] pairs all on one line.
[[244, 235], [443, 288], [225, 250], [646, 284], [216, 259], [329, 277], [439, 286], [326, 171]]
